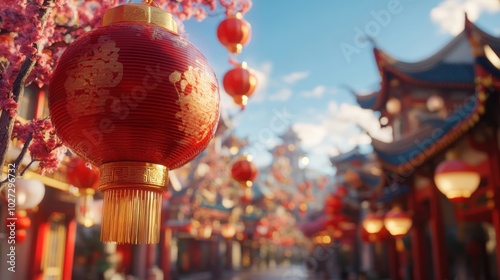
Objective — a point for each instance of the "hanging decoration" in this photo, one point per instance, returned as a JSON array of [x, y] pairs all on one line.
[[234, 32], [456, 179], [397, 222], [135, 99], [244, 171], [29, 193], [86, 178], [17, 226], [240, 83]]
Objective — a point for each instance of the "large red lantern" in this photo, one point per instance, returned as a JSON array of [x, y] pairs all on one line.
[[234, 32], [135, 99], [244, 171], [240, 83]]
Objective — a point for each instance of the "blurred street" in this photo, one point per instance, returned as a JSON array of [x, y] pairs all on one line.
[[296, 272]]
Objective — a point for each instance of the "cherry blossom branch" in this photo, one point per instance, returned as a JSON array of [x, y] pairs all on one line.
[[17, 162], [6, 119]]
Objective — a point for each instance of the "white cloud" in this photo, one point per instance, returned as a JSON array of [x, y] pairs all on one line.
[[449, 15], [316, 92], [295, 77], [339, 129], [311, 135], [281, 95], [262, 72]]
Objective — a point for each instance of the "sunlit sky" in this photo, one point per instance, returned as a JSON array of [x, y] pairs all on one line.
[[297, 51]]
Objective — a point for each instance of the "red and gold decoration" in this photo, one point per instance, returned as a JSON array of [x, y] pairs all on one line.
[[135, 99], [240, 83], [456, 179], [86, 178], [244, 171], [234, 32]]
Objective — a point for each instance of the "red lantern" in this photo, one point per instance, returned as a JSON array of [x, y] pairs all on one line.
[[20, 220], [333, 205], [373, 223], [342, 191], [234, 32], [456, 179], [244, 171], [82, 176], [397, 222], [21, 235], [240, 83], [135, 99]]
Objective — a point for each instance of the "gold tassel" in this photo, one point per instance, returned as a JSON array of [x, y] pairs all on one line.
[[132, 201]]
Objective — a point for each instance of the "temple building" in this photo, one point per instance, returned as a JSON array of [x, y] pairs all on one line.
[[442, 109]]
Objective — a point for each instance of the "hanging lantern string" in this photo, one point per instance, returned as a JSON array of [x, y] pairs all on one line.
[[233, 61]]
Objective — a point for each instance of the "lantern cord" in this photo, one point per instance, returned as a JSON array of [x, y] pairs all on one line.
[[147, 2]]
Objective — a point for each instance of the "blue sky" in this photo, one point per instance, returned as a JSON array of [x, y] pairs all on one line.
[[296, 49]]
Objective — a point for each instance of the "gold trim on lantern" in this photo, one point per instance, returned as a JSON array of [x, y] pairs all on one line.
[[140, 13], [132, 201]]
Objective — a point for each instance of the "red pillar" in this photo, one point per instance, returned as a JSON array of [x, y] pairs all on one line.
[[419, 244], [166, 258], [70, 250], [494, 160], [394, 260], [439, 255], [229, 254]]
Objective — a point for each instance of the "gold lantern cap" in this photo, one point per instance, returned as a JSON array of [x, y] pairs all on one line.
[[140, 12]]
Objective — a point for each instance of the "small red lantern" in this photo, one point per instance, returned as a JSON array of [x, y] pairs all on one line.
[[456, 179], [135, 99], [333, 205], [82, 176], [240, 83], [373, 223], [244, 171], [397, 222], [234, 32], [21, 235], [342, 191], [20, 220]]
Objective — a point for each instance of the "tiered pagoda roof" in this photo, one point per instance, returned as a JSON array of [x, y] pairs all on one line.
[[453, 67]]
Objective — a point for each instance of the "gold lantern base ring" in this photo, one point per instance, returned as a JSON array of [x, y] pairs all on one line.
[[132, 201]]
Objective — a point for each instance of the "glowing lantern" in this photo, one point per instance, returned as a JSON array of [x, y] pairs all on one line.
[[244, 171], [135, 99], [393, 106], [262, 227], [234, 32], [240, 83], [29, 193], [397, 222], [86, 179], [373, 223], [435, 103], [456, 179], [228, 231]]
